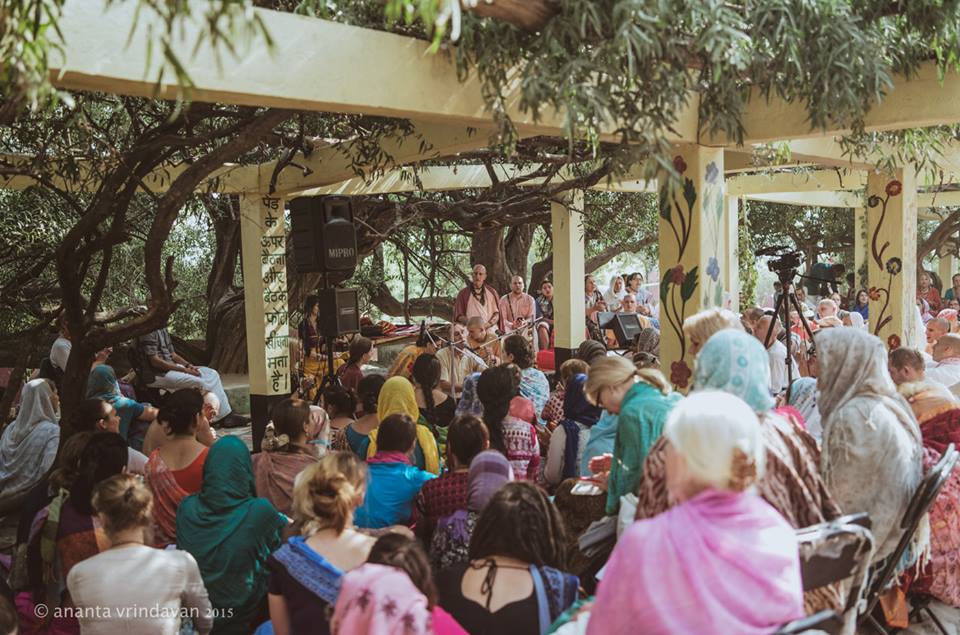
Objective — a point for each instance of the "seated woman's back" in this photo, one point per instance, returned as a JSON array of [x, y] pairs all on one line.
[[305, 573], [513, 582]]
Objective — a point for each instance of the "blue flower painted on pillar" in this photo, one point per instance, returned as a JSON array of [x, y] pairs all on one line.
[[713, 269], [712, 172]]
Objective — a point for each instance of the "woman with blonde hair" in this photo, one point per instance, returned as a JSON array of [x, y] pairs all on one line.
[[164, 579], [642, 399], [698, 328], [305, 572], [673, 573]]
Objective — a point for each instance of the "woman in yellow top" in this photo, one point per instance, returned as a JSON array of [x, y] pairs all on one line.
[[397, 397]]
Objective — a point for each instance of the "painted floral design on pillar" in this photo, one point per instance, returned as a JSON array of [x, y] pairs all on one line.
[[893, 266], [677, 286]]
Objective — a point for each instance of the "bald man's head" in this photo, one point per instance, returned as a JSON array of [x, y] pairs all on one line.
[[937, 328], [946, 347], [763, 325]]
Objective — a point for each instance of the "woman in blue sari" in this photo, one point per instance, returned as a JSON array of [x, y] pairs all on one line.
[[135, 417], [306, 572]]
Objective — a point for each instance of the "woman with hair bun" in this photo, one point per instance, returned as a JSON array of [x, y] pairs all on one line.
[[305, 572], [287, 451], [175, 469], [168, 580], [721, 536]]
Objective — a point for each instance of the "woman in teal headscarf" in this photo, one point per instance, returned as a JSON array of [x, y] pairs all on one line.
[[103, 384], [736, 363], [230, 532]]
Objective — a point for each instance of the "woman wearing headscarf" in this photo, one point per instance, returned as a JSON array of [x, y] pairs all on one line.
[[938, 414], [376, 599], [736, 363], [29, 443], [614, 295], [489, 471], [803, 398], [397, 397], [231, 533], [872, 452], [722, 560], [647, 341], [135, 417], [570, 438]]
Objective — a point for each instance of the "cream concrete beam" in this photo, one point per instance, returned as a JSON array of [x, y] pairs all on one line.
[[808, 181], [811, 199], [921, 101], [331, 165], [938, 199], [315, 65]]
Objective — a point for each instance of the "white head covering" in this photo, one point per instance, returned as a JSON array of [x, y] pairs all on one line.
[[872, 458], [856, 320], [612, 297], [29, 444]]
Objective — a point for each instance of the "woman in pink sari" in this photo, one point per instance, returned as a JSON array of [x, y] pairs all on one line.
[[721, 561]]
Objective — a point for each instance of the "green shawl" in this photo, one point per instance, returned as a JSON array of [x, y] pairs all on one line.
[[642, 415], [231, 533]]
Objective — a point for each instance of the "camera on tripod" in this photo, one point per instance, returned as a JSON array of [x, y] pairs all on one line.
[[782, 258]]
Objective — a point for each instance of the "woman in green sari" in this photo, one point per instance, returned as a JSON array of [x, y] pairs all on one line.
[[230, 532]]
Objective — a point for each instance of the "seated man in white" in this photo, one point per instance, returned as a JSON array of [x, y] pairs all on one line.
[[777, 354], [946, 355], [174, 372]]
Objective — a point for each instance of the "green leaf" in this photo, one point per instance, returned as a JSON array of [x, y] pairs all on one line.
[[690, 282], [664, 202], [689, 193], [664, 287]]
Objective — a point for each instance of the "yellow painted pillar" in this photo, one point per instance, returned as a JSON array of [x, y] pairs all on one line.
[[693, 250], [860, 246], [569, 306], [263, 248], [892, 256], [730, 263]]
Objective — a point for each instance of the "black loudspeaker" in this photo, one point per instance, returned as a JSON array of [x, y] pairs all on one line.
[[625, 326], [324, 237], [339, 312]]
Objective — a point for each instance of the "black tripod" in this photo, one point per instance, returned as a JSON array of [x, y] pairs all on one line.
[[785, 303]]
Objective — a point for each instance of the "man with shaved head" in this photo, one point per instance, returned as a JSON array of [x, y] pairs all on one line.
[[946, 355], [478, 299], [936, 328], [518, 308]]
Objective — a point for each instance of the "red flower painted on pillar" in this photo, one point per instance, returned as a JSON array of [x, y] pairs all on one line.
[[680, 374], [894, 188], [679, 164], [677, 275], [874, 293], [893, 342]]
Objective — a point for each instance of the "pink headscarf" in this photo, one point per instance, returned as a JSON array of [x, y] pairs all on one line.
[[376, 599], [721, 562], [950, 315]]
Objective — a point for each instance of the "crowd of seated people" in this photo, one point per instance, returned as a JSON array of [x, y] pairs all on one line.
[[477, 499]]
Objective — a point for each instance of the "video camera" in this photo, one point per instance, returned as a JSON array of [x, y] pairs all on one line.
[[782, 258]]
